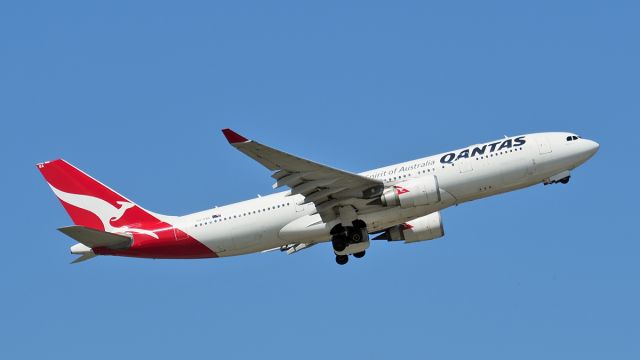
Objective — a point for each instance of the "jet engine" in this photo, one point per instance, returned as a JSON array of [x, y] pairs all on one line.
[[428, 227], [413, 192]]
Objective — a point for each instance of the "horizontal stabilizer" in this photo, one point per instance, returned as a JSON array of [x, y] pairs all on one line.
[[95, 238], [84, 257]]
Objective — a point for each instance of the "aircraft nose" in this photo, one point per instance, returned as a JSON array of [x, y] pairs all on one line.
[[592, 147]]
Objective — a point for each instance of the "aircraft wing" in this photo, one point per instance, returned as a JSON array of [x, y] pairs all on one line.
[[322, 185]]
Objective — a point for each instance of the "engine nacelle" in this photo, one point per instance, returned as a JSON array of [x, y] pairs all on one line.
[[413, 192], [428, 227]]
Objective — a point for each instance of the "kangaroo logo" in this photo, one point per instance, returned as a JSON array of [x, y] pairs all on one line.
[[124, 206], [103, 210]]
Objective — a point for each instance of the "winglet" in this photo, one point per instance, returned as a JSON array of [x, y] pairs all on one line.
[[233, 137]]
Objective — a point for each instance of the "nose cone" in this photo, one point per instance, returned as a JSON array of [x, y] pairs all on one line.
[[592, 148], [586, 150]]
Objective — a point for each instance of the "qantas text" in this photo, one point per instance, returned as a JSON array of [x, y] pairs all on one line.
[[481, 150]]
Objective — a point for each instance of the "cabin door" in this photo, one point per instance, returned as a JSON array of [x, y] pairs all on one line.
[[543, 145]]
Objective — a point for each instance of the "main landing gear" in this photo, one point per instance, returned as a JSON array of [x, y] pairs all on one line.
[[343, 237], [343, 259]]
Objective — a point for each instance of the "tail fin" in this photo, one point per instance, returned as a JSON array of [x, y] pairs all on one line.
[[89, 202]]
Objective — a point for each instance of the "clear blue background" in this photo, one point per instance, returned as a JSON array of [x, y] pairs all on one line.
[[135, 93]]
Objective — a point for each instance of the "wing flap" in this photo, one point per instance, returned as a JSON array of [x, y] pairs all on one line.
[[291, 248]]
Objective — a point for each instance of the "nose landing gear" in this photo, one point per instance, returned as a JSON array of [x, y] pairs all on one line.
[[562, 178]]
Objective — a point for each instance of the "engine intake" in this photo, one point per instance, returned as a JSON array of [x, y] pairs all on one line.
[[413, 192], [424, 228]]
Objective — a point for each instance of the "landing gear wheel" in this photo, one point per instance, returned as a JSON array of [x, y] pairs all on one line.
[[565, 180], [339, 243], [342, 259], [359, 254], [336, 230], [359, 224], [355, 236]]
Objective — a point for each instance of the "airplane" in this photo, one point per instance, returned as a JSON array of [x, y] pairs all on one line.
[[400, 202]]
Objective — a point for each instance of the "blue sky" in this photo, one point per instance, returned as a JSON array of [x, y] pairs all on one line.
[[135, 93]]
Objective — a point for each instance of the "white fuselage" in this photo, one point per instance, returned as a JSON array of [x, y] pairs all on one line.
[[267, 222]]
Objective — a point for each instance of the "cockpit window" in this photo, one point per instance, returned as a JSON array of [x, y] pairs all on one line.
[[573, 137]]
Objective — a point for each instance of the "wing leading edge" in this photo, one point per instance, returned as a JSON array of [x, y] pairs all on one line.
[[324, 186]]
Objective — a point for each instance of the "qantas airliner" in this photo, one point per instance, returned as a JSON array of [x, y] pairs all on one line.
[[401, 202]]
